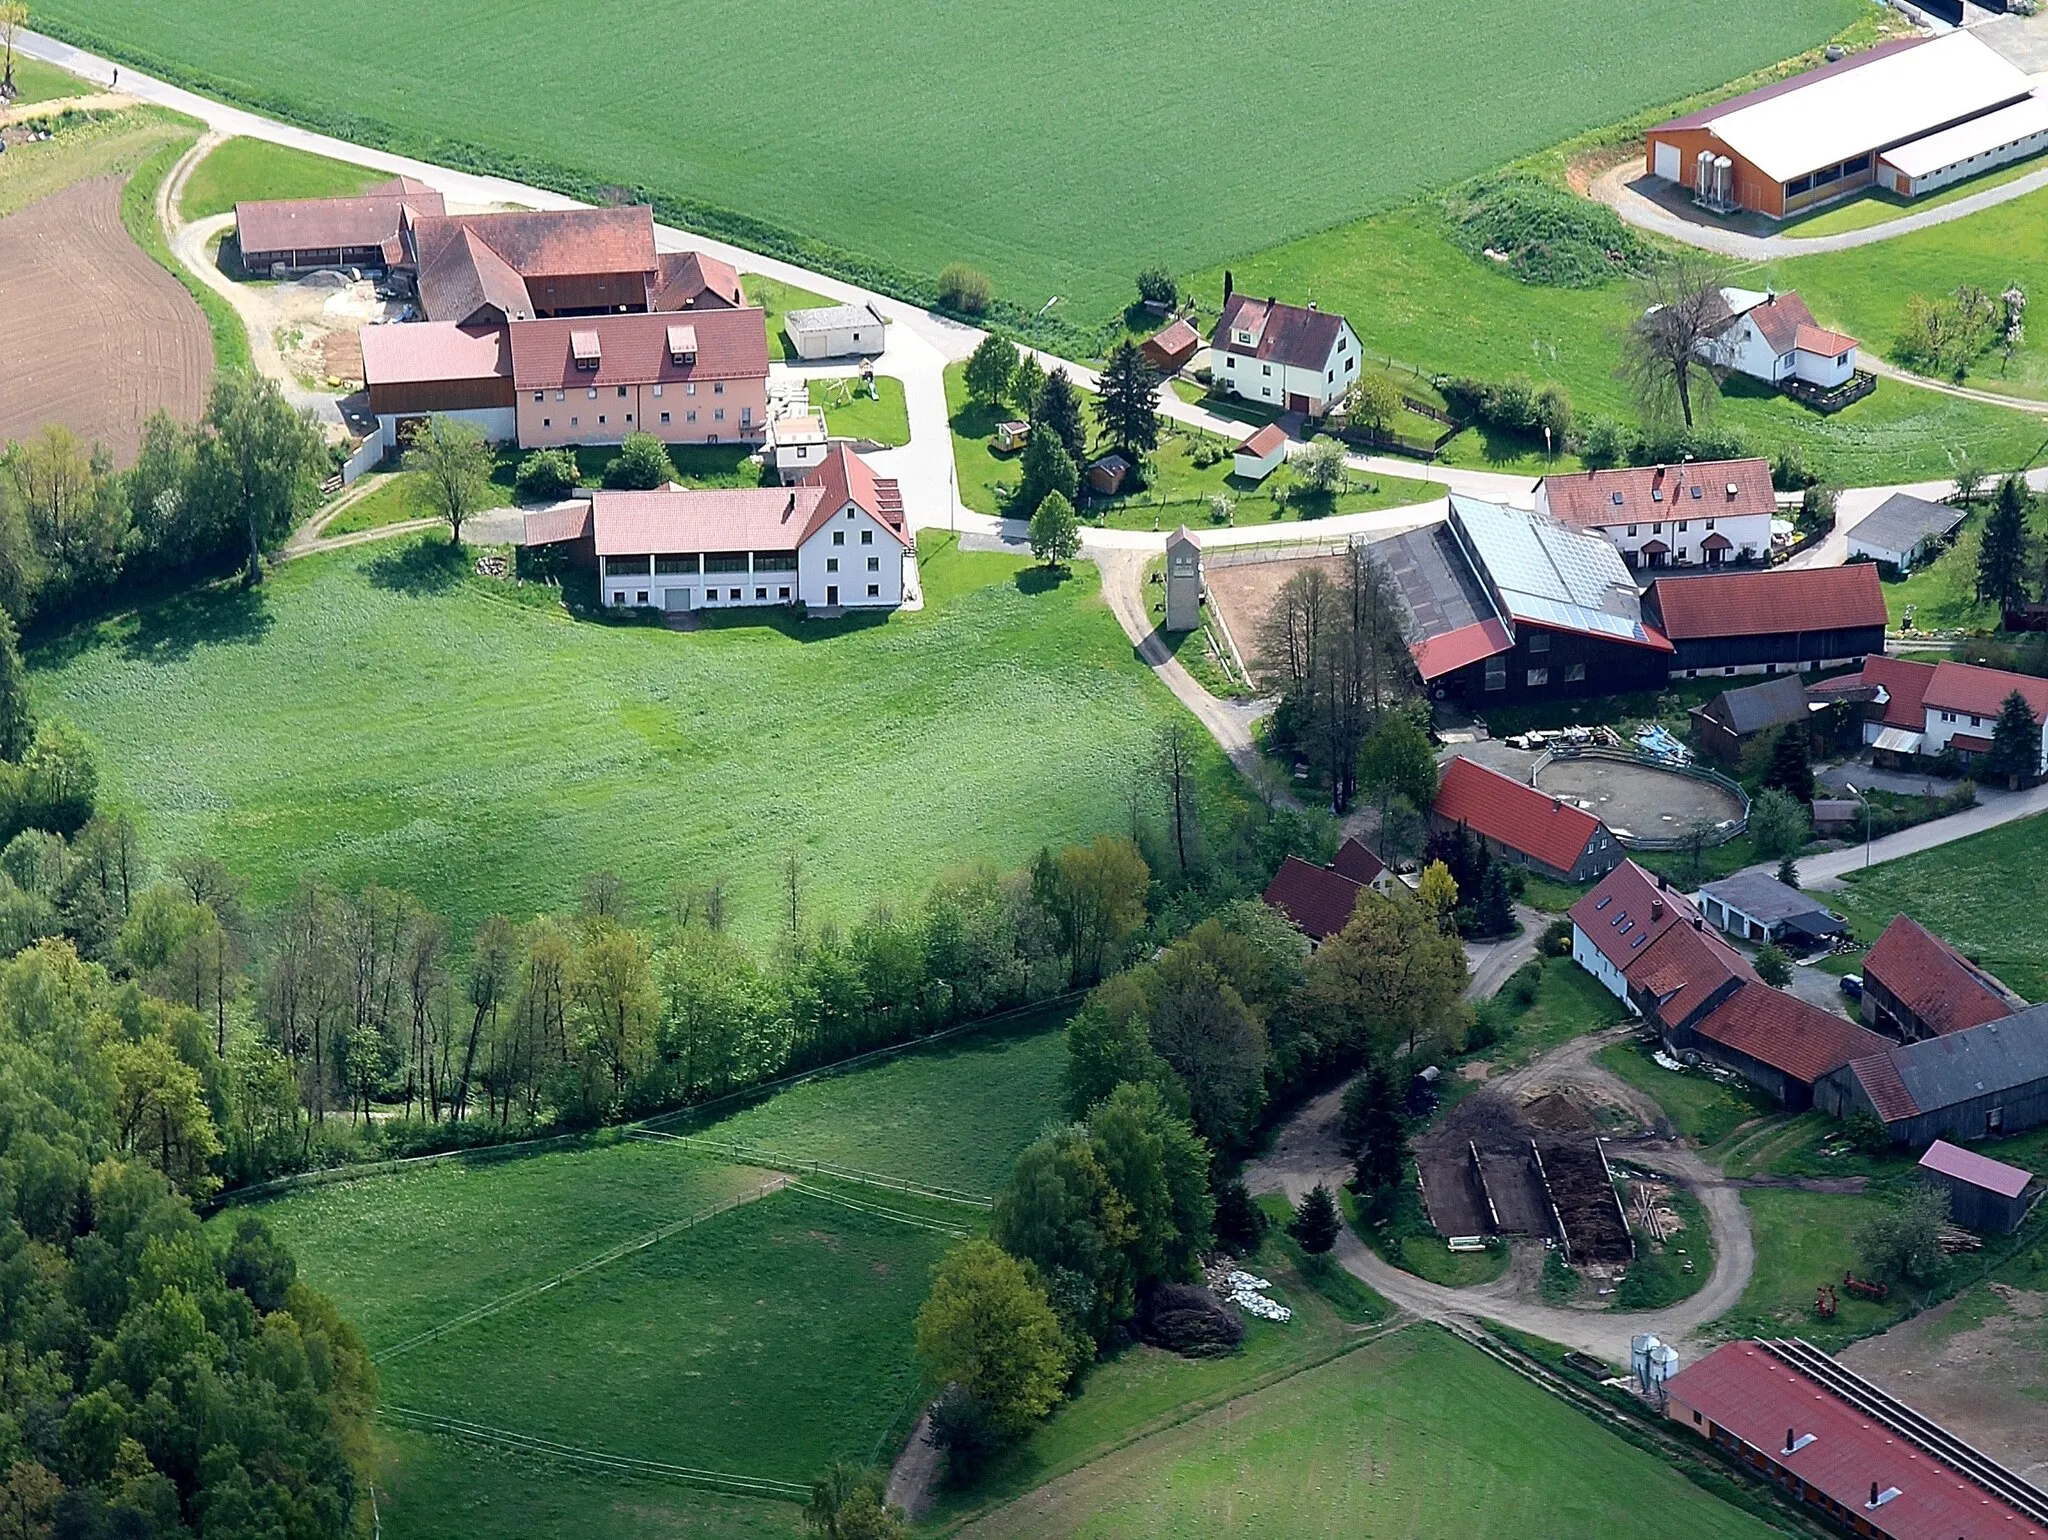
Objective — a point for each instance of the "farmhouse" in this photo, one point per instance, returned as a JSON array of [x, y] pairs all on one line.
[[1917, 986], [593, 380], [1755, 906], [1260, 455], [836, 541], [1705, 514], [1983, 1194], [1848, 125], [1616, 921], [1769, 622], [1320, 899], [1735, 717], [477, 268], [436, 368], [836, 331], [1902, 530], [1521, 824], [1841, 1445], [1172, 348], [1503, 607], [1915, 710], [1775, 1041], [1774, 338], [299, 234], [1986, 1080], [1293, 358]]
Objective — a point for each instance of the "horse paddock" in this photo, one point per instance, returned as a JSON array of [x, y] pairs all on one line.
[[1638, 800]]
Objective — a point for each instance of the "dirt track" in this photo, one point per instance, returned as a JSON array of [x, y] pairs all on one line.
[[98, 336]]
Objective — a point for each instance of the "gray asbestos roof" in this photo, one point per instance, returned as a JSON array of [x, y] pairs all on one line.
[[1979, 1061], [1901, 523], [1568, 579], [1757, 706], [830, 318], [1763, 898]]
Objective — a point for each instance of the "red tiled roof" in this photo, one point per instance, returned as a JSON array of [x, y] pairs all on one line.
[[461, 277], [552, 243], [845, 478], [1616, 916], [1820, 340], [1357, 863], [1783, 1031], [421, 352], [1982, 691], [1653, 492], [1930, 979], [1682, 968], [1263, 442], [1703, 116], [1517, 816], [551, 526], [1879, 1076], [703, 519], [1436, 656], [1756, 1396], [315, 224], [1978, 1170], [1770, 603], [1905, 685], [1315, 898], [684, 279], [731, 344], [1170, 347], [1281, 334]]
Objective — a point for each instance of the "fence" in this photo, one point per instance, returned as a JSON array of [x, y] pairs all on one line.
[[368, 456], [740, 1153], [1720, 834]]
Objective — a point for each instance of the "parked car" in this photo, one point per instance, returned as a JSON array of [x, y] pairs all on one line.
[[1852, 985]]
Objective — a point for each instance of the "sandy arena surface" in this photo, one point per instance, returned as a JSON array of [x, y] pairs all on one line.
[[1654, 804], [98, 336]]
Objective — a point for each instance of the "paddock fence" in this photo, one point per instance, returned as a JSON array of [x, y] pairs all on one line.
[[741, 1153], [1720, 834]]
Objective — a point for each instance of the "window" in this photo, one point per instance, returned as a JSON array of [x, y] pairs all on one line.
[[1497, 673], [629, 417], [558, 395], [1539, 641], [839, 537], [1265, 368], [1350, 364], [746, 414], [782, 593], [690, 416], [867, 537], [625, 566], [718, 415], [547, 422], [1994, 1120], [727, 561], [760, 593], [718, 387], [1631, 530], [874, 564], [664, 417], [1538, 676], [1975, 720], [575, 422], [1657, 528], [874, 590], [593, 392], [1229, 363], [1948, 716], [618, 598], [831, 564], [1696, 491], [1710, 524], [1681, 525], [602, 419], [622, 392], [690, 388], [641, 597], [1575, 673], [669, 566], [657, 390], [539, 396]]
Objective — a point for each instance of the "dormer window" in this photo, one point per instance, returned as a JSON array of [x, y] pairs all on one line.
[[1244, 337], [585, 348], [682, 345], [1733, 491]]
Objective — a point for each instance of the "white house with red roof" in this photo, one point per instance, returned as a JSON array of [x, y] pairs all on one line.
[[1917, 709], [1700, 514], [1290, 357], [835, 541], [1774, 338], [1613, 926]]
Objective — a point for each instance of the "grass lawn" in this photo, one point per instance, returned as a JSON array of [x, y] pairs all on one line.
[[1803, 1240], [1417, 1435], [1411, 293], [1942, 593], [1987, 895], [1569, 1003], [850, 412], [952, 1115], [403, 1252], [1410, 90], [1699, 1107], [380, 713], [1875, 206], [35, 81], [393, 500], [249, 169], [774, 1339], [1865, 290], [778, 299]]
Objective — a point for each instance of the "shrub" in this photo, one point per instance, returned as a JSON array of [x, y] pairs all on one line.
[[1189, 1321], [1156, 287], [1557, 938], [642, 465], [1523, 986], [1606, 443], [1816, 511], [546, 474], [1790, 471], [965, 289], [961, 1426], [1240, 1222], [1548, 235]]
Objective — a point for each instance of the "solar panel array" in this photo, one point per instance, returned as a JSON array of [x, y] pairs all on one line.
[[1550, 575]]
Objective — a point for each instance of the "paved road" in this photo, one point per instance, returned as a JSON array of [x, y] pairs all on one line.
[[1493, 963], [1825, 871]]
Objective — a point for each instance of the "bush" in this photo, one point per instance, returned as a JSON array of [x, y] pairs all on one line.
[[1156, 287], [965, 289], [1521, 989], [642, 465], [1189, 1321], [1557, 938], [1606, 443], [1790, 471], [1240, 1223], [1548, 235], [545, 475], [961, 1426], [1512, 405]]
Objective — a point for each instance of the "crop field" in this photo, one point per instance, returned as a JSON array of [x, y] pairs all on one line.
[[1412, 294], [380, 714], [1416, 1435], [255, 168], [951, 1115], [1135, 156]]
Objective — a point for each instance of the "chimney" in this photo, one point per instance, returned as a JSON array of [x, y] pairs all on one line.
[[1698, 923], [1556, 806], [1873, 1494], [1656, 910], [791, 509], [1311, 304], [1771, 298], [1788, 1440], [1229, 285], [1663, 883]]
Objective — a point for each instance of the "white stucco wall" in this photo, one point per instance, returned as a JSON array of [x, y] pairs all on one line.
[[1594, 961]]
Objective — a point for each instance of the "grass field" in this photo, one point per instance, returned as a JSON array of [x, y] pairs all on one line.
[[393, 500], [35, 81], [1803, 1240], [850, 412], [1943, 592], [903, 1117], [1700, 1107], [1987, 895], [1411, 92], [379, 713], [1412, 294], [255, 168], [1417, 1435]]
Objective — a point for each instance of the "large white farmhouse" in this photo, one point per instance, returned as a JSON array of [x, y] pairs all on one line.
[[1703, 513], [835, 541], [1284, 356]]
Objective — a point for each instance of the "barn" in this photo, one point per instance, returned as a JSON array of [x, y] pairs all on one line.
[[1775, 622], [1908, 115], [1775, 1041], [1983, 1194], [1521, 824], [1916, 986], [434, 368], [1975, 1084]]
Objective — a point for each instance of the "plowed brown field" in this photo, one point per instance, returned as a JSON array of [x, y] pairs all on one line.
[[98, 336]]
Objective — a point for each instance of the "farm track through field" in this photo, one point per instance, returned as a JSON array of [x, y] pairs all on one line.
[[603, 1259], [506, 1440]]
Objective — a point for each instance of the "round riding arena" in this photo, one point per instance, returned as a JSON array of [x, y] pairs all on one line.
[[98, 335], [1637, 800]]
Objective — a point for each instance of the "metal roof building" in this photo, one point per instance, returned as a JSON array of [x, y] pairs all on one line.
[[1902, 529], [1757, 907], [1984, 1194]]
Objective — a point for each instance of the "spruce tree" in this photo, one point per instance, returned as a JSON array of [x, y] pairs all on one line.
[[1127, 403], [2015, 740], [1059, 408], [1791, 766], [1316, 1223], [1496, 910], [2002, 551]]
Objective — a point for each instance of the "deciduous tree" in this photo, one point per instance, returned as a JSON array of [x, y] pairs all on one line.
[[1202, 1027], [1373, 403], [988, 1328], [1901, 1242], [1396, 761], [1680, 310], [1779, 823], [259, 464], [1055, 530], [1173, 762], [989, 368], [453, 463]]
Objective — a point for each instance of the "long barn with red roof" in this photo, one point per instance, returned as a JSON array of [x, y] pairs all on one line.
[[1524, 825]]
